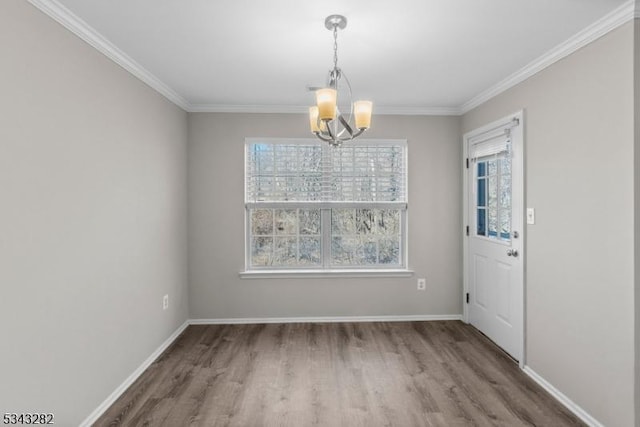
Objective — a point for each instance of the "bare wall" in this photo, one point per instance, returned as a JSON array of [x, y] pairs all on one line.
[[93, 214], [216, 225], [580, 253]]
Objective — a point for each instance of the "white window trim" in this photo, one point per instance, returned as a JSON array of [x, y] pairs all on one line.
[[323, 274], [314, 272]]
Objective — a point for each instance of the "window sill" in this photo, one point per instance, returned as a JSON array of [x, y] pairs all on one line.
[[320, 274]]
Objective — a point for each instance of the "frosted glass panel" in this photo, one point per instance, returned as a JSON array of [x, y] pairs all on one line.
[[493, 197]]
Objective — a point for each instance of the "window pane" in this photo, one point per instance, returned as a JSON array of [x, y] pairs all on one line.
[[286, 221], [505, 227], [388, 221], [505, 192], [493, 222], [365, 221], [365, 237], [482, 192], [343, 250], [505, 165], [505, 199], [310, 251], [285, 253], [482, 169], [389, 250], [343, 221], [309, 221], [492, 210], [369, 254], [492, 167], [482, 222], [261, 251], [296, 239], [261, 221], [493, 192]]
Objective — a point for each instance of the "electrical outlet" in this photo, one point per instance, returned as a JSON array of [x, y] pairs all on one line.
[[165, 302], [422, 284]]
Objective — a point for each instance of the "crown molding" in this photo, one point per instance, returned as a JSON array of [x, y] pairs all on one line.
[[627, 11], [607, 23], [80, 28], [229, 108], [77, 26], [418, 111], [301, 109]]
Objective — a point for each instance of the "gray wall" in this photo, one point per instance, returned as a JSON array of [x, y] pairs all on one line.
[[216, 225], [93, 166], [93, 214], [580, 253]]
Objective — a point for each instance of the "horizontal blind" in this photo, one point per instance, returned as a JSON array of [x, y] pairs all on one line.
[[283, 172], [366, 173], [496, 142], [311, 172]]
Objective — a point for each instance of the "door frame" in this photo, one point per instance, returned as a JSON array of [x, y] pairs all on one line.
[[517, 140]]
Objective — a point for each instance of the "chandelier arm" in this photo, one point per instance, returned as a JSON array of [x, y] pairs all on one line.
[[322, 137], [360, 132], [346, 125], [352, 137], [331, 135]]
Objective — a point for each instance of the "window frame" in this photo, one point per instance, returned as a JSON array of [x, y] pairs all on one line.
[[326, 269]]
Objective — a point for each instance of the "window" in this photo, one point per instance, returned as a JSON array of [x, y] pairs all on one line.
[[310, 206], [491, 156], [493, 180]]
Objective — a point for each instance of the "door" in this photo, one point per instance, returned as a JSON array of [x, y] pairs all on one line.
[[494, 241]]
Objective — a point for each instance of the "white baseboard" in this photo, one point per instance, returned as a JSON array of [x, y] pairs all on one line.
[[570, 404], [93, 417], [329, 319]]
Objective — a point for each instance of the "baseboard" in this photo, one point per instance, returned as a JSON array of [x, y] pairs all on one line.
[[93, 417], [570, 404], [329, 319]]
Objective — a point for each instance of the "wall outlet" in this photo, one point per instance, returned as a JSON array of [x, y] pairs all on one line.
[[165, 302], [422, 284]]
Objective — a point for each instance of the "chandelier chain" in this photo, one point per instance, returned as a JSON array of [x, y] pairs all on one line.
[[335, 47]]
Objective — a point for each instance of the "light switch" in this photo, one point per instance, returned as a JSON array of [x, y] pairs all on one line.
[[531, 216]]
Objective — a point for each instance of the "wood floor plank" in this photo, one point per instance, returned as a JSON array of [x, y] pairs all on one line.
[[437, 374]]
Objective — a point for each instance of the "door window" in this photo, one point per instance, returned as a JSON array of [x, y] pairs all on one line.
[[493, 196]]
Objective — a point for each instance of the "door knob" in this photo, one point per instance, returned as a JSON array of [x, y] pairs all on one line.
[[512, 252]]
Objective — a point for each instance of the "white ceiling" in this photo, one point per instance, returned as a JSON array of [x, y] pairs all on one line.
[[402, 54]]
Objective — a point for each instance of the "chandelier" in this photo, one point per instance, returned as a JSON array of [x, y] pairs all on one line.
[[327, 121]]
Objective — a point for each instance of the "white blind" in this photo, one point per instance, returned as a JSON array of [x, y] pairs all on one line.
[[313, 172], [496, 142]]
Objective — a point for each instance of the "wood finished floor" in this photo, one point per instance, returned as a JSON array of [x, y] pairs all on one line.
[[335, 374]]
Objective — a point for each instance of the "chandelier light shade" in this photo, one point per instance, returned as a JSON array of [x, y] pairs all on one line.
[[326, 120]]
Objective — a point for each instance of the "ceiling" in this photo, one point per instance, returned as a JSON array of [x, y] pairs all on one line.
[[409, 55]]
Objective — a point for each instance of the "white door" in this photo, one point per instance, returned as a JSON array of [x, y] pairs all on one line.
[[494, 242]]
